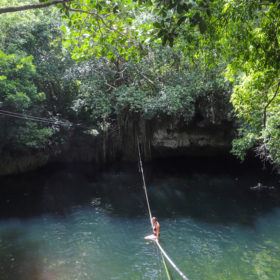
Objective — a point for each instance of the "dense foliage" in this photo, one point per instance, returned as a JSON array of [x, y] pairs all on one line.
[[18, 93], [155, 58], [242, 35], [31, 83], [161, 84]]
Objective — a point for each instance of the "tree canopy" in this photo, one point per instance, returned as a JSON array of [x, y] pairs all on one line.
[[221, 43]]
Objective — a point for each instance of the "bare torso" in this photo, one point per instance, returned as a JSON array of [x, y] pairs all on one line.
[[156, 229]]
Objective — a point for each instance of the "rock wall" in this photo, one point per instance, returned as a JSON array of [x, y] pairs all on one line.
[[158, 139], [210, 133], [169, 139]]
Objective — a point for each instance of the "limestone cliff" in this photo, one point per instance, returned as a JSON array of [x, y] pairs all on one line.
[[209, 133]]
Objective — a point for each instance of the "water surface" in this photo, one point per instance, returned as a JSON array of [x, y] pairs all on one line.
[[66, 223]]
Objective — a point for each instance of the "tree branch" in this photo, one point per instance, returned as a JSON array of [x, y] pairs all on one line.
[[145, 77], [31, 6], [105, 24], [98, 17], [268, 103]]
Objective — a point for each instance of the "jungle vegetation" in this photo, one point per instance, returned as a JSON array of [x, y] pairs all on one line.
[[90, 62]]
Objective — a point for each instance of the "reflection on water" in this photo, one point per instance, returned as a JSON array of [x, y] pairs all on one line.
[[66, 224]]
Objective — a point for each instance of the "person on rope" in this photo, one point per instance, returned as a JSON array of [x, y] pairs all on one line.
[[156, 228]]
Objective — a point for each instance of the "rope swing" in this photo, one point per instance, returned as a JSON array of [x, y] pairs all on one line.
[[164, 254]]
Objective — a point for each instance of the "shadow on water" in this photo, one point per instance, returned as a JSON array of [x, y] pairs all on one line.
[[210, 191], [18, 260]]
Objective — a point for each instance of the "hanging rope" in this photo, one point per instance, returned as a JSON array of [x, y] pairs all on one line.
[[150, 215], [171, 262], [144, 182], [159, 261], [165, 267]]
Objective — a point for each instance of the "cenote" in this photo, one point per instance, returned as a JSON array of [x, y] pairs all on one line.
[[69, 222]]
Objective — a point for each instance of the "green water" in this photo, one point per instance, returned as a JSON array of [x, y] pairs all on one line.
[[68, 224]]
